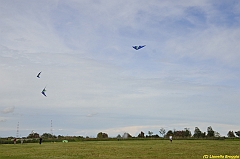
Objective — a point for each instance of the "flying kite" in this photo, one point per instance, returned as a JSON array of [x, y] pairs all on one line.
[[138, 47], [43, 92], [38, 76]]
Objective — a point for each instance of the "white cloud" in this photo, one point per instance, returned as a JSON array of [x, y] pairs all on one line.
[[3, 119], [92, 114], [219, 44], [8, 110], [24, 29]]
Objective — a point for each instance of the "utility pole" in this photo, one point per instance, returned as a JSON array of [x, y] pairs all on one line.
[[51, 129], [17, 135]]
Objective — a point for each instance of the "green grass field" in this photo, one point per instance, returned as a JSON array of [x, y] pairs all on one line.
[[143, 149]]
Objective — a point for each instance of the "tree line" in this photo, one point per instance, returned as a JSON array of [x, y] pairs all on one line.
[[185, 133]]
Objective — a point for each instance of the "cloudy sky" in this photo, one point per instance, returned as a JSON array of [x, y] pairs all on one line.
[[187, 76]]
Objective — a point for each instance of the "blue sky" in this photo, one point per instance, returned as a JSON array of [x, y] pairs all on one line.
[[187, 76]]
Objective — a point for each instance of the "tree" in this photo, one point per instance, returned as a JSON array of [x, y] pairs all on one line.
[[119, 136], [141, 135], [155, 136], [187, 132], [162, 131], [178, 133], [210, 132], [169, 133], [182, 133], [48, 135], [150, 133], [33, 135], [102, 135], [216, 134], [231, 134], [197, 132], [60, 136]]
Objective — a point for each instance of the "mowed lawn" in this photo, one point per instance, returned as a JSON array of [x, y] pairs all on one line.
[[143, 149]]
